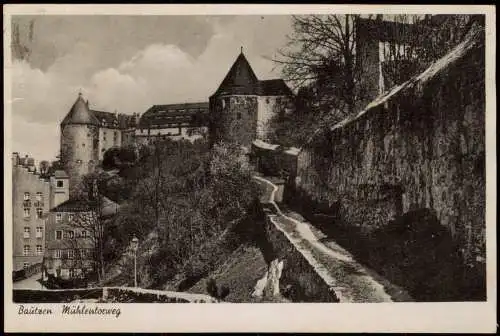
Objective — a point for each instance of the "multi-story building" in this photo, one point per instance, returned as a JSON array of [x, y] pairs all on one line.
[[86, 134], [69, 245], [187, 121], [73, 229], [33, 195]]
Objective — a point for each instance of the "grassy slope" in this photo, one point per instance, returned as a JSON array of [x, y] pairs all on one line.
[[240, 272]]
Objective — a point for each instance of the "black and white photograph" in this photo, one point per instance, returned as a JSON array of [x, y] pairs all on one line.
[[289, 158]]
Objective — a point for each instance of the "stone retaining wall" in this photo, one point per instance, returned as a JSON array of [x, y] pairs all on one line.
[[113, 294]]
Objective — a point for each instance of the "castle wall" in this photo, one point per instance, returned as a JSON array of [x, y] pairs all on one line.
[[79, 151], [268, 107], [235, 119], [422, 149]]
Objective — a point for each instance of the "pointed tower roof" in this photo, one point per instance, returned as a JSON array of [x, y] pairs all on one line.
[[240, 79], [80, 114]]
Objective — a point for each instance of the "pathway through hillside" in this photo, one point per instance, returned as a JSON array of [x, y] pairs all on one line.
[[351, 281]]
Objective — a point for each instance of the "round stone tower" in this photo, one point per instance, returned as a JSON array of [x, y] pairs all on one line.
[[79, 142], [234, 106]]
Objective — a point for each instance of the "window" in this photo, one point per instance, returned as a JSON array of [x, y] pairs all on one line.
[[71, 234], [39, 231], [58, 217], [39, 196], [71, 254], [238, 115], [84, 234], [39, 250], [27, 232], [39, 212], [70, 217], [60, 184], [26, 264], [26, 196], [73, 272], [58, 235], [26, 212], [78, 161], [57, 254], [26, 250], [83, 254], [83, 145]]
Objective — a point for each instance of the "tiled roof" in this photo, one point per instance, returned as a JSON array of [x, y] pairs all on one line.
[[274, 87], [80, 114], [108, 207], [113, 120], [241, 80], [60, 174], [193, 114], [74, 205]]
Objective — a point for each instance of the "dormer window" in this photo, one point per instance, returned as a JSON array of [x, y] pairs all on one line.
[[60, 184]]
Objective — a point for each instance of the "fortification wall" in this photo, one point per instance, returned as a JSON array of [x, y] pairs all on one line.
[[421, 148]]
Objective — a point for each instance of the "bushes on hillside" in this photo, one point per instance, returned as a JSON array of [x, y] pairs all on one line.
[[188, 196]]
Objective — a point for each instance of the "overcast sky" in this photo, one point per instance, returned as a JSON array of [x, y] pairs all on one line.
[[128, 63]]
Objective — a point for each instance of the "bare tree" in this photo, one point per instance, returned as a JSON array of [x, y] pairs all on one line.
[[321, 53], [90, 218]]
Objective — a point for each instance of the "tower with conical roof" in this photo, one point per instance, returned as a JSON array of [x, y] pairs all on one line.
[[242, 106], [79, 142]]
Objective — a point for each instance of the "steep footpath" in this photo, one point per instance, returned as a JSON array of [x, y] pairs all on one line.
[[348, 280]]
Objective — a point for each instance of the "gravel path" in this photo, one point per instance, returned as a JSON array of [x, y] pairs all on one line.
[[351, 281]]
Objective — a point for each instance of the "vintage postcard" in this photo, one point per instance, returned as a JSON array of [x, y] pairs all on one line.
[[281, 168]]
